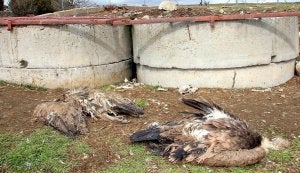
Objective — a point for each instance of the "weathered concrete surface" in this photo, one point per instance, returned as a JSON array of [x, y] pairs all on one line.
[[64, 46], [91, 76], [230, 44], [285, 43], [256, 76]]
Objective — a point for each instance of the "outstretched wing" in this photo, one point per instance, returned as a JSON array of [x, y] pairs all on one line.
[[207, 110]]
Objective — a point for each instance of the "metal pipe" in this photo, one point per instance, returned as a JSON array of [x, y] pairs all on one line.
[[14, 21], [206, 18]]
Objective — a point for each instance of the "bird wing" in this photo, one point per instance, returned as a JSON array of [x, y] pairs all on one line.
[[62, 116], [230, 134], [207, 110]]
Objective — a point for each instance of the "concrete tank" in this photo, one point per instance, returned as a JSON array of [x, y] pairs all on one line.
[[233, 54], [65, 56]]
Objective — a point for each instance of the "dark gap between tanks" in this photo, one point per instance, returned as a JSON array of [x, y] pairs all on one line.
[[133, 65]]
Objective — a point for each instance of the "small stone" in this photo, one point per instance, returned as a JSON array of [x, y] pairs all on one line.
[[283, 96], [261, 90], [162, 89], [221, 11], [146, 17], [167, 5], [131, 153], [118, 156], [126, 14], [85, 156]]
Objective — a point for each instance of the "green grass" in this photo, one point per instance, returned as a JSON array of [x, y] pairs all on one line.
[[152, 88], [281, 156], [30, 87], [106, 88], [296, 144], [2, 83], [141, 161], [142, 103], [81, 147], [44, 150], [23, 86]]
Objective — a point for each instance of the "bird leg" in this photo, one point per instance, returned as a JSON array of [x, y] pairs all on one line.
[[208, 154]]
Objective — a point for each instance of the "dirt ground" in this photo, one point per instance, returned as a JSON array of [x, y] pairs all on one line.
[[136, 12], [275, 112]]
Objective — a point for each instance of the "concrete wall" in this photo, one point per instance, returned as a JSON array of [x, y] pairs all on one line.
[[65, 55], [254, 76], [234, 54], [174, 54]]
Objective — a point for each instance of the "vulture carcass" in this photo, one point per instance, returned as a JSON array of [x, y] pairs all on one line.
[[210, 137], [67, 114], [104, 105], [66, 117]]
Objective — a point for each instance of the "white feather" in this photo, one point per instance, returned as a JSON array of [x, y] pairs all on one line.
[[216, 114], [199, 133]]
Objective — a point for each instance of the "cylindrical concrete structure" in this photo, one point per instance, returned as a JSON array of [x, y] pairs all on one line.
[[232, 54], [66, 55]]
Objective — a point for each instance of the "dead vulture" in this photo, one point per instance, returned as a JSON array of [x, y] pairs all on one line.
[[67, 114], [210, 137], [66, 117], [104, 105]]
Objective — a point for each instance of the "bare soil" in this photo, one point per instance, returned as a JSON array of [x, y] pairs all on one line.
[[275, 112], [137, 12]]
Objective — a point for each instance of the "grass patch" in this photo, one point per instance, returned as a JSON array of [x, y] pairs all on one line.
[[142, 103], [23, 86], [81, 147], [240, 170], [296, 144], [30, 87], [152, 88], [281, 156], [44, 150], [106, 88], [288, 159], [7, 142], [141, 161], [2, 83]]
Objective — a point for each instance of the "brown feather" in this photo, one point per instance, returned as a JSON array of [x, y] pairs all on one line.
[[65, 117]]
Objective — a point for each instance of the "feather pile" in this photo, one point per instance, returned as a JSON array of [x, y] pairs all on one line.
[[209, 137], [68, 113]]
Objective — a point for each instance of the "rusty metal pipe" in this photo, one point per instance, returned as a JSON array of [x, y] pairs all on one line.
[[15, 21], [207, 18]]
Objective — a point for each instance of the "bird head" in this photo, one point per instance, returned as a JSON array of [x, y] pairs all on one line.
[[277, 143]]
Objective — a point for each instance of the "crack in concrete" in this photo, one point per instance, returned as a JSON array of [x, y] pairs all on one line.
[[233, 79], [86, 66], [189, 32]]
